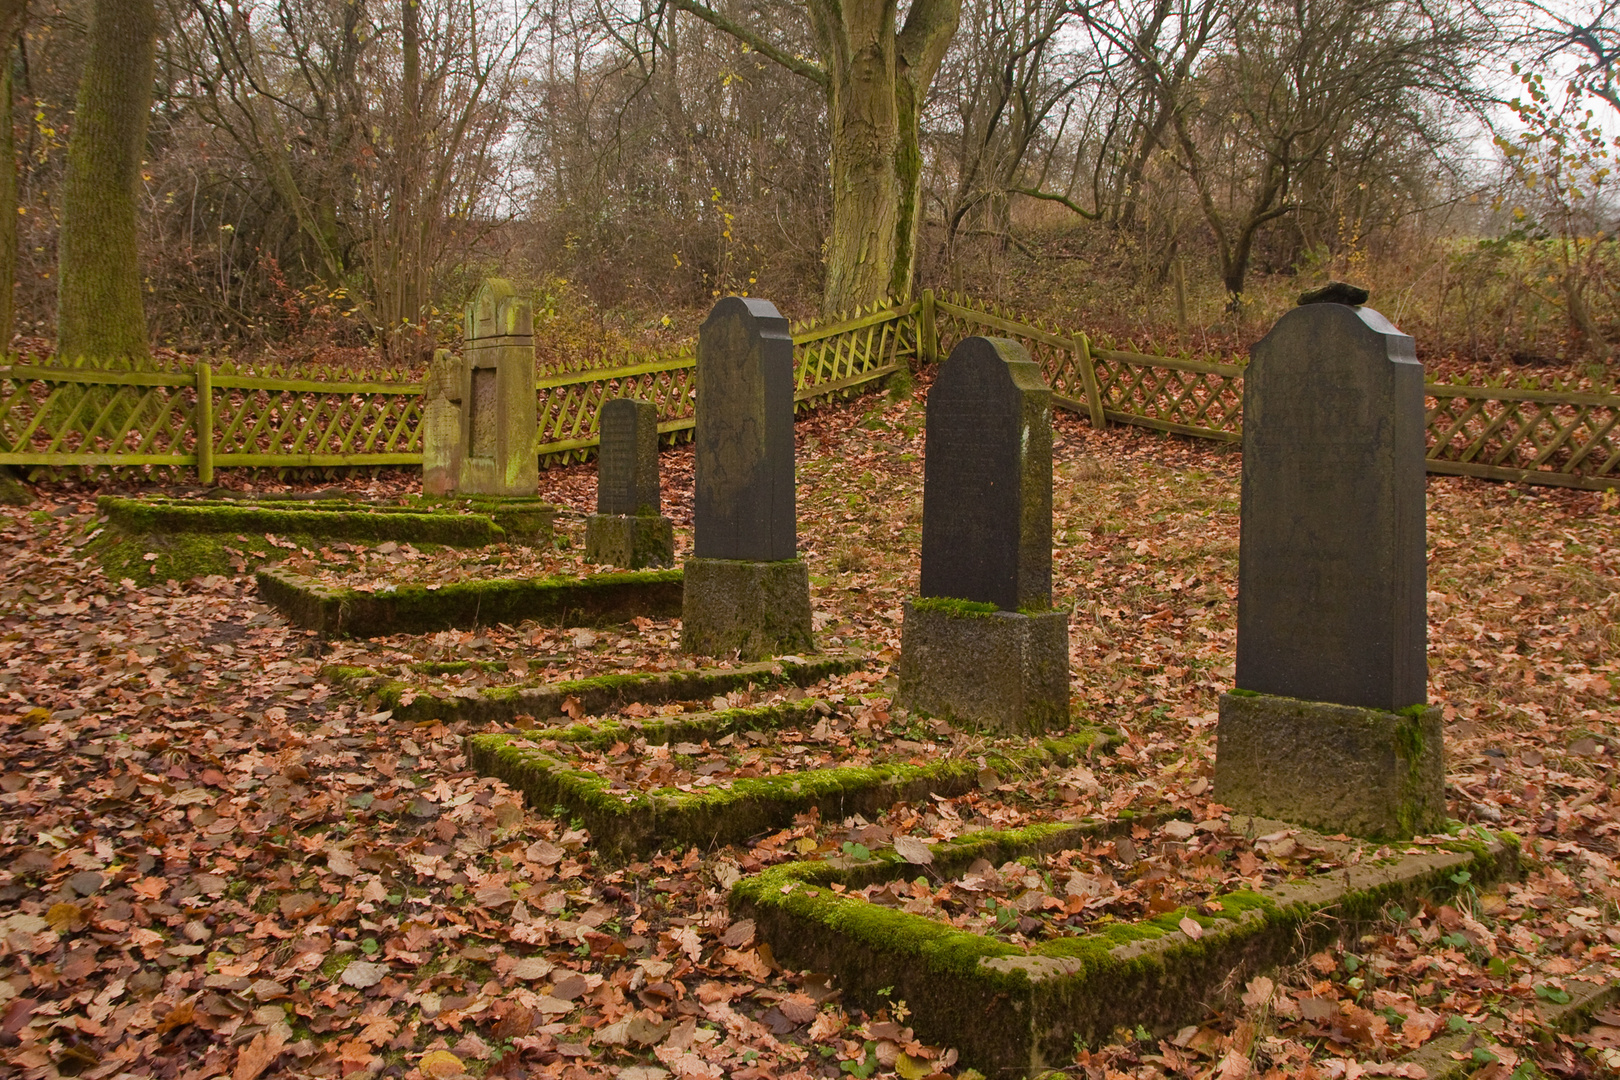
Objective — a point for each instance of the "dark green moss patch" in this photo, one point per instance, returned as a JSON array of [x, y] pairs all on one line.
[[627, 823], [599, 600], [601, 693], [194, 537], [960, 609], [1014, 1010]]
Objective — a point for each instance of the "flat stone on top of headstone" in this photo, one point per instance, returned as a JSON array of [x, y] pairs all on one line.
[[743, 506], [627, 458], [1331, 572], [1335, 292], [987, 478]]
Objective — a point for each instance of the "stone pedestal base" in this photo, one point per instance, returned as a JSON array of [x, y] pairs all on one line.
[[752, 609], [1336, 768], [998, 670], [528, 522], [635, 541]]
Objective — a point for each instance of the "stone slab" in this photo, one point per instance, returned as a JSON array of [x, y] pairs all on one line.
[[1331, 570], [627, 458], [441, 423], [635, 541], [1011, 1010], [987, 479], [996, 670], [743, 502], [748, 609], [1338, 768], [598, 600]]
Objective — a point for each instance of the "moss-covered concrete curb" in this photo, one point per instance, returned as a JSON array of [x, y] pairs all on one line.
[[600, 693], [189, 536], [599, 600], [1589, 989], [1011, 1010], [672, 818]]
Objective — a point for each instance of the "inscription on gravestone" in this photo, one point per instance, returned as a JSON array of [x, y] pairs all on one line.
[[627, 462], [1331, 572], [987, 479], [743, 506], [481, 442]]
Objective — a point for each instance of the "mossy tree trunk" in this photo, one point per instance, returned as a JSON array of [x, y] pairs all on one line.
[[12, 13], [99, 310], [876, 74]]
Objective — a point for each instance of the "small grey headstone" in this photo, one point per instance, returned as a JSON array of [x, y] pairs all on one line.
[[743, 506], [1331, 573], [987, 479], [627, 462]]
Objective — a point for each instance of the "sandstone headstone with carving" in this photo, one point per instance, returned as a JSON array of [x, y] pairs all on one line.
[[746, 591], [981, 645], [627, 529], [441, 424], [498, 408], [1328, 724]]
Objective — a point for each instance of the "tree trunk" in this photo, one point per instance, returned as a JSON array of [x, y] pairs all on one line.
[[99, 309], [12, 13]]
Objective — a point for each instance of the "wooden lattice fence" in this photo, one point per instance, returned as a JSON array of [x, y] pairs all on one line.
[[196, 416], [181, 416]]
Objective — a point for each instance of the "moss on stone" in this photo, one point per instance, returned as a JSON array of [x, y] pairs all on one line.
[[498, 704], [601, 599], [669, 817], [960, 609], [1009, 1009]]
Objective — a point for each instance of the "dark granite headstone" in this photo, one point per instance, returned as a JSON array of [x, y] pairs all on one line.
[[627, 460], [744, 501], [1331, 574], [987, 479]]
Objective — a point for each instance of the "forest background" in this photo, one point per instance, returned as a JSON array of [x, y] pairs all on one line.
[[320, 177]]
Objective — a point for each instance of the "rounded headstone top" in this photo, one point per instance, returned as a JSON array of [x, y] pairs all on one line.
[[759, 309], [1335, 292], [497, 310]]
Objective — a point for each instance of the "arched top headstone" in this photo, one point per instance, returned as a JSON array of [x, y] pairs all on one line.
[[1331, 573], [497, 310], [743, 503], [987, 478]]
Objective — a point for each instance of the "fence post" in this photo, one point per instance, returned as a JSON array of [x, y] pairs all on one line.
[[205, 423], [1088, 375], [927, 335]]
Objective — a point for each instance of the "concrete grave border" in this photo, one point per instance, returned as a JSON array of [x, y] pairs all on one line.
[[672, 818], [188, 536], [598, 600], [596, 694], [1011, 1010]]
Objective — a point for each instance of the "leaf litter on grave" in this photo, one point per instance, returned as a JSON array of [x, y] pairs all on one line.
[[174, 767]]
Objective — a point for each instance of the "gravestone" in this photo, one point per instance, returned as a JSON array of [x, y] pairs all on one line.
[[441, 424], [1328, 725], [627, 529], [747, 592], [982, 645], [498, 411], [743, 507]]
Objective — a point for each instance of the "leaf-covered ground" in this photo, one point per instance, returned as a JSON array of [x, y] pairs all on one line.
[[213, 863]]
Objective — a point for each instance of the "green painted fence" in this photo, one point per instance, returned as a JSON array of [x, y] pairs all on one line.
[[205, 418]]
